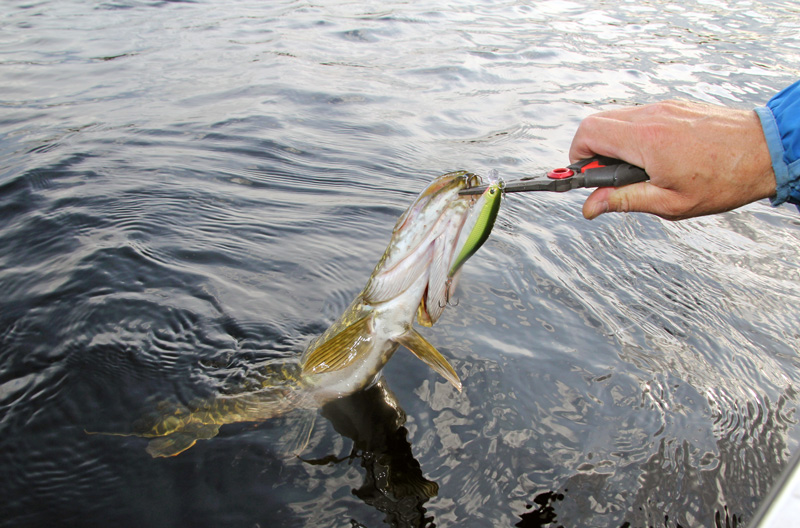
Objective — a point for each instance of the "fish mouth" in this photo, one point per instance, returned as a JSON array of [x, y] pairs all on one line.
[[438, 191], [418, 259]]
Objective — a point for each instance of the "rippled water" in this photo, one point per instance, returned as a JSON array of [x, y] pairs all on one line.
[[190, 190]]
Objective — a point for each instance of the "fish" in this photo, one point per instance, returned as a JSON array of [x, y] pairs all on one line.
[[414, 280]]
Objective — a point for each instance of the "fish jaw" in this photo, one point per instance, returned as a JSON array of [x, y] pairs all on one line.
[[422, 247]]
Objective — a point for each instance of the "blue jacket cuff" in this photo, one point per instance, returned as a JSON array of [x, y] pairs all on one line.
[[772, 134]]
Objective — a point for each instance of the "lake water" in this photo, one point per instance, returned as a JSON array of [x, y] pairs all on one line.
[[192, 190]]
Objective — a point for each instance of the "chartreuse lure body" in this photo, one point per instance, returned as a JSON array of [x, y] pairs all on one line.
[[479, 226]]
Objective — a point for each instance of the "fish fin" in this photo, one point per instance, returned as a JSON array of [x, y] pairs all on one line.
[[425, 351], [176, 443], [172, 445], [338, 351], [162, 446], [165, 418], [300, 432], [423, 317], [107, 433]]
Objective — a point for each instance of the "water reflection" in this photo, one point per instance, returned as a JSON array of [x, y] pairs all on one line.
[[680, 484], [393, 480]]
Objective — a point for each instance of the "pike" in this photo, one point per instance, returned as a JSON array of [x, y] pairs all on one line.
[[415, 277]]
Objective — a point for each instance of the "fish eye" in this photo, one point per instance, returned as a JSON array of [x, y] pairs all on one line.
[[492, 190]]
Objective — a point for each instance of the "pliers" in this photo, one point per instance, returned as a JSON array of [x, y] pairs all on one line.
[[598, 171]]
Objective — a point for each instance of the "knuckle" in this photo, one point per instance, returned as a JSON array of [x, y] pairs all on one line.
[[675, 210], [621, 202], [624, 204]]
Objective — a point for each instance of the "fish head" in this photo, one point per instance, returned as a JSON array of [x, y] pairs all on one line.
[[414, 277], [417, 262]]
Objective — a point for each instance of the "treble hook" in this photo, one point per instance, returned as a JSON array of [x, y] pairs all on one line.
[[447, 302]]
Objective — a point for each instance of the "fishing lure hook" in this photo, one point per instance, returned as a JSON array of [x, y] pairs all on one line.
[[448, 289]]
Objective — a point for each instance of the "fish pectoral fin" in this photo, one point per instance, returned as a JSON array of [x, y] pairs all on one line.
[[425, 351], [340, 350], [299, 425]]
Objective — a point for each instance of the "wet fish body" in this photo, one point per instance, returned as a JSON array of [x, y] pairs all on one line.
[[414, 278]]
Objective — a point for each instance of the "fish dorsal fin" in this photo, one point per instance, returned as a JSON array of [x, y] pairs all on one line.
[[340, 350], [417, 344]]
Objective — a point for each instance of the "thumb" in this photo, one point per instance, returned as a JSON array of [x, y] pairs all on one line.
[[638, 197]]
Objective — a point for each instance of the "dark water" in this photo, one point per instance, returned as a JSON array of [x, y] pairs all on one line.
[[190, 190]]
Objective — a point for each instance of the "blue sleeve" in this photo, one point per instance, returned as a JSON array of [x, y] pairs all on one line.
[[780, 120]]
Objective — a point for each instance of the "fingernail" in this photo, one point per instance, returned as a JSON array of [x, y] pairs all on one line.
[[596, 209]]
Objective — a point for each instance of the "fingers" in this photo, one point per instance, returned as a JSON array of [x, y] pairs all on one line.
[[638, 197], [606, 134], [597, 203], [625, 133]]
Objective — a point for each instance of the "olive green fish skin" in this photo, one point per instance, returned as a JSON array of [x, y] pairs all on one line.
[[174, 427]]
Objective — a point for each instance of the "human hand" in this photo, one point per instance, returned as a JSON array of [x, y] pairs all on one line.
[[701, 159]]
